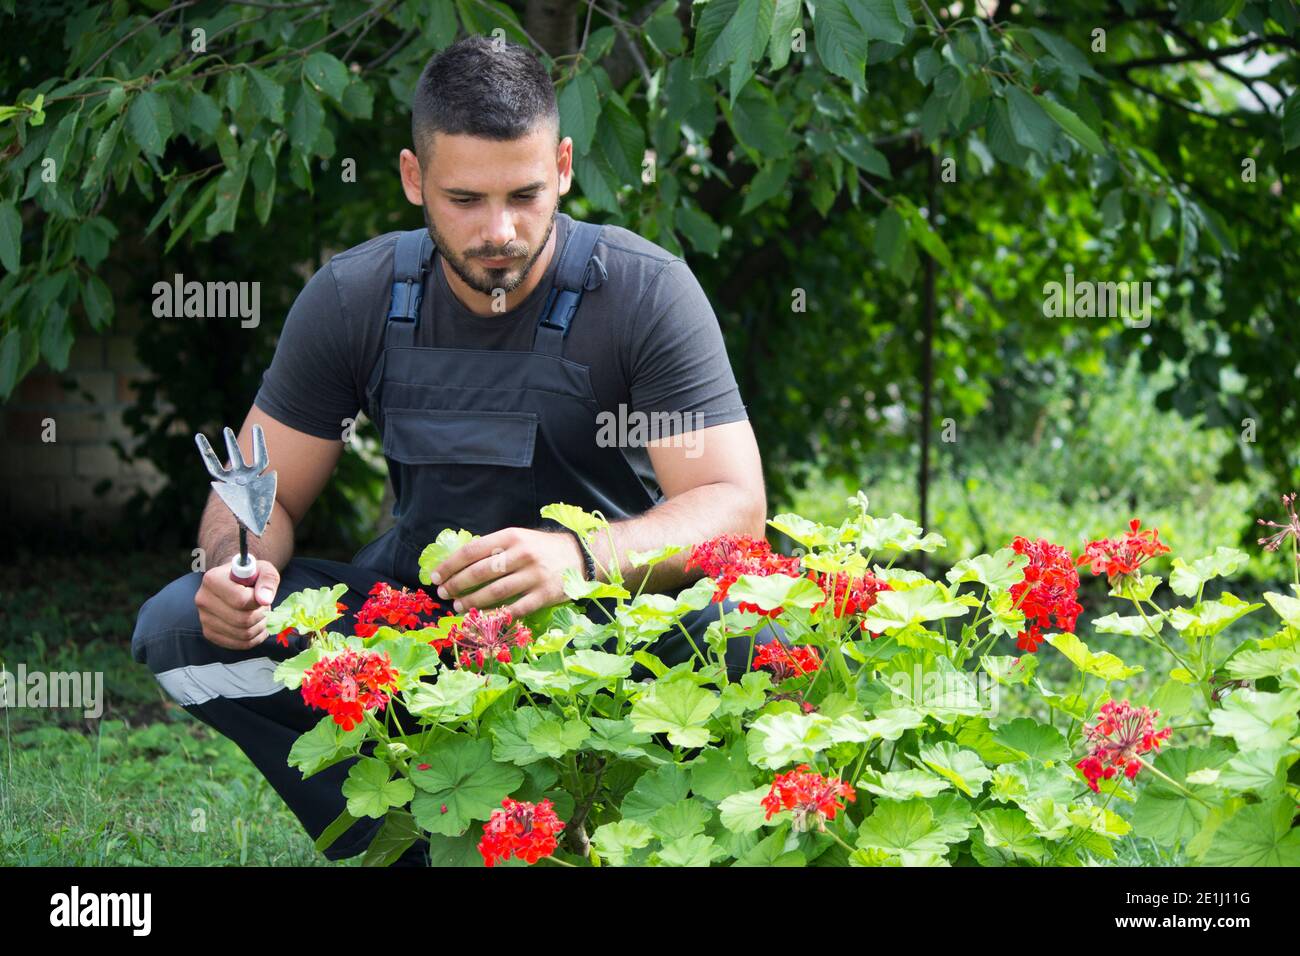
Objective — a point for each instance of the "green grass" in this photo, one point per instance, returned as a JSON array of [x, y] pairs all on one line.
[[145, 784]]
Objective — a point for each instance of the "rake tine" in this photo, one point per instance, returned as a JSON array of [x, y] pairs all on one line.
[[210, 457], [260, 459], [237, 463]]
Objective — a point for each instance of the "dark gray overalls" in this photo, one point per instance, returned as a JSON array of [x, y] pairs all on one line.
[[475, 439]]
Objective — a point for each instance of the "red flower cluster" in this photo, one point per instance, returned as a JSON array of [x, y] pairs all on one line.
[[1125, 554], [1121, 734], [1050, 588], [786, 662], [390, 606], [349, 683], [524, 830], [810, 796], [728, 556], [850, 594], [283, 636], [484, 635]]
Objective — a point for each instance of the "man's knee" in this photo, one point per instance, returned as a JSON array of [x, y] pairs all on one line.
[[167, 617]]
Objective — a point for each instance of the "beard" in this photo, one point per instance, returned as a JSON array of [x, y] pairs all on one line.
[[487, 281]]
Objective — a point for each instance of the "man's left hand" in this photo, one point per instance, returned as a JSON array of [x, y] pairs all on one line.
[[515, 562]]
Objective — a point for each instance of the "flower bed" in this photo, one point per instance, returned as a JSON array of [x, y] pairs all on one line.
[[871, 737]]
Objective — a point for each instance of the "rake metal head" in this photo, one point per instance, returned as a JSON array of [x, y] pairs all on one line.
[[249, 494]]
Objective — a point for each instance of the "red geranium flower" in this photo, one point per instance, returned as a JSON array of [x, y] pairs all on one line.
[[1125, 554], [1120, 735], [1050, 589], [786, 662], [728, 556], [523, 830], [810, 796], [393, 607], [484, 635], [849, 594], [348, 684]]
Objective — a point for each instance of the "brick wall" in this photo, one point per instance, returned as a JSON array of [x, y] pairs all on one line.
[[46, 482]]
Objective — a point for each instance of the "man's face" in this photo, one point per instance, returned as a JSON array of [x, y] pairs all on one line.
[[490, 206]]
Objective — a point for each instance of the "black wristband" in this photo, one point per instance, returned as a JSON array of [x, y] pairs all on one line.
[[588, 563]]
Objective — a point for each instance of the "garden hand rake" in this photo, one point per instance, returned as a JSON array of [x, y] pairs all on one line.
[[249, 494]]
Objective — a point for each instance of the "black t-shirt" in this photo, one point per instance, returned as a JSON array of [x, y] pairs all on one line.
[[648, 334]]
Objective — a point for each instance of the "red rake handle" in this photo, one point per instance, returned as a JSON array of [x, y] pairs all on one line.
[[244, 571]]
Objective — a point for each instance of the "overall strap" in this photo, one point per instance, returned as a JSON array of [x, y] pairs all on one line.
[[410, 263], [578, 270]]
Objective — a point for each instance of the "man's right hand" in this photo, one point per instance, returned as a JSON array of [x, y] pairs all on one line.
[[233, 615]]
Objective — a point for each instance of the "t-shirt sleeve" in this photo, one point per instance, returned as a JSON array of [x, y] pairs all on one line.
[[310, 385], [678, 361]]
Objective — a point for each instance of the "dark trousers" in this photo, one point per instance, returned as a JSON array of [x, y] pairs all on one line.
[[235, 694]]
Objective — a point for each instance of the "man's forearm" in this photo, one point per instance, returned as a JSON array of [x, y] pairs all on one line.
[[219, 536], [685, 519]]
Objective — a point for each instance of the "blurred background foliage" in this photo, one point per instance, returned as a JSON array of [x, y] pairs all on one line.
[[909, 173]]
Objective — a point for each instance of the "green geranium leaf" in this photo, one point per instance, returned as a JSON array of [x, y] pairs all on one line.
[[896, 610], [1210, 617], [618, 737], [462, 784], [447, 543], [576, 589], [1186, 580], [1133, 626], [1097, 663], [615, 842], [903, 784], [1010, 671], [371, 792], [744, 812], [718, 773], [1288, 608], [607, 668], [898, 826], [776, 740], [325, 745], [573, 518], [679, 820], [655, 789], [649, 559], [555, 737], [306, 611], [775, 591], [749, 693], [998, 571], [1036, 741], [450, 698], [679, 708], [510, 732], [1010, 832], [1257, 835], [1136, 586], [291, 672], [962, 767], [810, 534], [697, 850], [1257, 720]]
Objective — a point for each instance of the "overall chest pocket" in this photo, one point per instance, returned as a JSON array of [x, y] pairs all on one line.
[[461, 469]]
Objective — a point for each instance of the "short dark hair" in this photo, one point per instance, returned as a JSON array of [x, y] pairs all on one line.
[[479, 87]]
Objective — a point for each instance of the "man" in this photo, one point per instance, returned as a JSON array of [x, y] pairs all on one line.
[[490, 393]]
